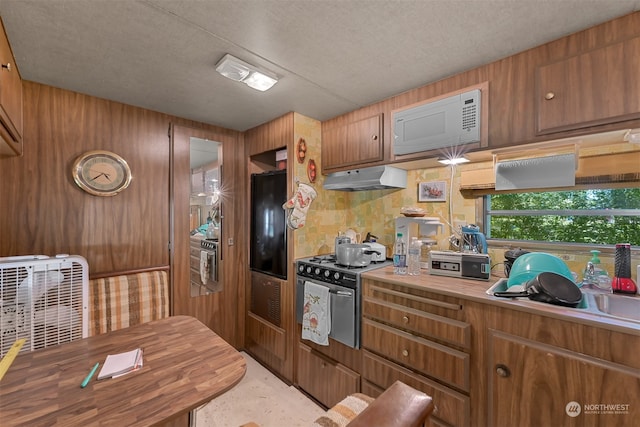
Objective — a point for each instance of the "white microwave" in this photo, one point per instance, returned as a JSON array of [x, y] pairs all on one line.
[[448, 122]]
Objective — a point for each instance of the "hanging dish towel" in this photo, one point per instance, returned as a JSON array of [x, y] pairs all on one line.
[[204, 266], [316, 318]]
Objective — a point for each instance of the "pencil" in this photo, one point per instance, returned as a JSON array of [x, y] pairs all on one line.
[[88, 378]]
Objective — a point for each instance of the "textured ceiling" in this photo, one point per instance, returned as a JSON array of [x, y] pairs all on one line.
[[333, 56]]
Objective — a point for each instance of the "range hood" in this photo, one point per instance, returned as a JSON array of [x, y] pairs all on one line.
[[373, 178]]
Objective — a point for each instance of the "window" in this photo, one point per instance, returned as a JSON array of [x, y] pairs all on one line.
[[581, 216]]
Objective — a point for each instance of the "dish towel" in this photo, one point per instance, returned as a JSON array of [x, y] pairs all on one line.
[[316, 317], [204, 267]]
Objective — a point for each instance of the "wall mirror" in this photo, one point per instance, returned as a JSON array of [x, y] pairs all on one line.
[[205, 220]]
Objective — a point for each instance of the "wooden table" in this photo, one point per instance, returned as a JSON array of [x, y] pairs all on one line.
[[185, 365]]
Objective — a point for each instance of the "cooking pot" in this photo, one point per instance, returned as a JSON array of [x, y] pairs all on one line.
[[380, 253], [510, 256], [340, 240], [549, 287], [354, 255]]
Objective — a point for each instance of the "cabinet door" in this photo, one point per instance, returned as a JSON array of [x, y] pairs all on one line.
[[535, 384], [10, 98], [353, 144], [597, 87], [326, 380]]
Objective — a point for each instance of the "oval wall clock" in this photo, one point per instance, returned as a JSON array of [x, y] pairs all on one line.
[[101, 173]]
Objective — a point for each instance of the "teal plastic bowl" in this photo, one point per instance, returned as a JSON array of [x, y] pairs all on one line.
[[528, 266]]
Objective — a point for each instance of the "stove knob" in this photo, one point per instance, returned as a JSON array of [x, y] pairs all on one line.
[[336, 275], [301, 268], [309, 269], [317, 271], [327, 274]]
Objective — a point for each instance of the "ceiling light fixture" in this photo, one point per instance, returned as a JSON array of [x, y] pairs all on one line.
[[240, 71], [454, 161]]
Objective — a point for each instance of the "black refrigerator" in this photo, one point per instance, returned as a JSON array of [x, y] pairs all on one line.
[[268, 241]]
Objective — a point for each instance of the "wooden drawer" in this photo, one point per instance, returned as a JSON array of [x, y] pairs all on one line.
[[417, 299], [431, 325], [451, 407], [195, 251], [266, 335], [326, 380], [432, 359]]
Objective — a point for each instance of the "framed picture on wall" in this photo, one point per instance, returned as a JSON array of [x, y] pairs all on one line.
[[432, 191]]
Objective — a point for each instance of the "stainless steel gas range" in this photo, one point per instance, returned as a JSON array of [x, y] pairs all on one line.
[[344, 290]]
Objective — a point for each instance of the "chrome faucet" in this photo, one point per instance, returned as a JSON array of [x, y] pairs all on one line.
[[595, 281]]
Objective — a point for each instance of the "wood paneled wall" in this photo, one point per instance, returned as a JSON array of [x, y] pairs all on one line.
[[221, 311], [42, 210]]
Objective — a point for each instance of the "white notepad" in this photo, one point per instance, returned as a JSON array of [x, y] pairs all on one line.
[[121, 363]]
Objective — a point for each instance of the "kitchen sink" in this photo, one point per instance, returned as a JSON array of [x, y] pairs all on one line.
[[595, 302], [618, 306], [501, 286]]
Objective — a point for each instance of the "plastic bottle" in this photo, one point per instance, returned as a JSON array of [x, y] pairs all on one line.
[[413, 257], [399, 256]]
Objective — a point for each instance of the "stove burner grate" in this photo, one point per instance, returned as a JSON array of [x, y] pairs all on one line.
[[321, 259]]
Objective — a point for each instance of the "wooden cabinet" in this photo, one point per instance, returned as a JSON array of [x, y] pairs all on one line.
[[353, 143], [420, 338], [451, 407], [264, 337], [534, 384], [592, 74], [596, 87], [10, 100], [325, 379]]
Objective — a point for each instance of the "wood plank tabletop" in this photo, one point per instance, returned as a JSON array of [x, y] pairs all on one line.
[[185, 365]]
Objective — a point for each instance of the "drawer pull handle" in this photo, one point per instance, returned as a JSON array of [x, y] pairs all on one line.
[[7, 66], [405, 319], [503, 371], [405, 353], [549, 96]]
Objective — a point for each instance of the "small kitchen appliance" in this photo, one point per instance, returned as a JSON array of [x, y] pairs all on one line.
[[622, 282], [509, 258], [379, 251], [460, 264], [473, 241], [418, 227]]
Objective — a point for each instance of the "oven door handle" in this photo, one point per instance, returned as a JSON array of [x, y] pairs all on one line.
[[341, 293]]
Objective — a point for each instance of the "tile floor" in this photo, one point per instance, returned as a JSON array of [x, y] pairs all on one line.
[[259, 397]]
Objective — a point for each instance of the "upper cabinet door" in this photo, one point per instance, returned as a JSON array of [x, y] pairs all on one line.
[[10, 100], [598, 87], [352, 144]]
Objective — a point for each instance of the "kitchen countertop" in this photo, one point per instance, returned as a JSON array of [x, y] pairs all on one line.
[[475, 290]]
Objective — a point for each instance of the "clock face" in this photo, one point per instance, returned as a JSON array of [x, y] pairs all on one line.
[[101, 173]]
